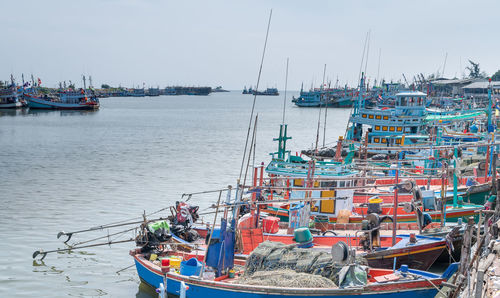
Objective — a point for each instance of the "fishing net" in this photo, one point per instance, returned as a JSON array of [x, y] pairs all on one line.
[[310, 264], [287, 278]]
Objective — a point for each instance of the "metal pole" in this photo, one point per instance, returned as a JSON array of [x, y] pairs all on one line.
[[211, 233], [395, 221], [455, 179]]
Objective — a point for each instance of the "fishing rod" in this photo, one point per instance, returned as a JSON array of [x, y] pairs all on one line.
[[70, 234], [44, 253]]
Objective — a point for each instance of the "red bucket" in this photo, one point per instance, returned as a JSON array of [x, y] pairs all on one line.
[[271, 224]]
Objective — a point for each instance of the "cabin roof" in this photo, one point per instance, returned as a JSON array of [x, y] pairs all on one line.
[[411, 93], [452, 81], [482, 85]]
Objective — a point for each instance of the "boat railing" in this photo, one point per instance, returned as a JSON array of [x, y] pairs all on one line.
[[302, 169]]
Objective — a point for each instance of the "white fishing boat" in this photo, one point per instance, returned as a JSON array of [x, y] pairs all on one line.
[[10, 98]]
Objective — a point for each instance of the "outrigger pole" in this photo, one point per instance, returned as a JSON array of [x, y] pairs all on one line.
[[44, 253], [70, 234]]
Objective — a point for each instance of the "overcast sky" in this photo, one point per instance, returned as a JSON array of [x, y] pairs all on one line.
[[220, 42]]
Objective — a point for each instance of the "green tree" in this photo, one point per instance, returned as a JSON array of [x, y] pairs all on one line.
[[105, 86], [496, 76], [475, 71]]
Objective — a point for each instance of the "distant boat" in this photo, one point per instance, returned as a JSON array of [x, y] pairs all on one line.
[[268, 91], [247, 91], [65, 101], [153, 92], [219, 89], [10, 98], [138, 92]]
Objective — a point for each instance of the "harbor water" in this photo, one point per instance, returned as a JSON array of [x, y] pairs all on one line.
[[71, 170]]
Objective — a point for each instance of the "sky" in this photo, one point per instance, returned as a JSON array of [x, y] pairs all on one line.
[[212, 43]]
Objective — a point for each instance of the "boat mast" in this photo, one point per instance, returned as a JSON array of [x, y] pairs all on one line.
[[326, 107], [255, 95], [378, 68], [286, 86]]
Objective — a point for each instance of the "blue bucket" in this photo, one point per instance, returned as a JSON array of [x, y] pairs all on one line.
[[191, 267]]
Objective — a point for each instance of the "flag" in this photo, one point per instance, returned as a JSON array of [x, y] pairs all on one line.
[[39, 82]]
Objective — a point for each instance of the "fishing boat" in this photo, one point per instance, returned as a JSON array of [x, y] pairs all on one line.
[[61, 103], [268, 92], [10, 98], [334, 98], [380, 283]]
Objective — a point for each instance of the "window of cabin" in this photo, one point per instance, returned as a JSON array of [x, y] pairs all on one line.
[[370, 116], [377, 127], [400, 128], [378, 117], [384, 128], [392, 128], [376, 140], [364, 115], [386, 117]]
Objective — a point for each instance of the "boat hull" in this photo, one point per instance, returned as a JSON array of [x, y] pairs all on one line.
[[204, 288], [11, 105], [420, 258], [39, 103]]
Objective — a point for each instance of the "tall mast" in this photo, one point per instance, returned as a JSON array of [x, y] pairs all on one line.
[[286, 86], [444, 65], [378, 68], [326, 107]]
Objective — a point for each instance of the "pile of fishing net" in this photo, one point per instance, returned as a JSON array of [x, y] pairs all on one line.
[[287, 278], [308, 264]]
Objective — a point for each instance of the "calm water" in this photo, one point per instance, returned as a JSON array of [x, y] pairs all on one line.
[[74, 170]]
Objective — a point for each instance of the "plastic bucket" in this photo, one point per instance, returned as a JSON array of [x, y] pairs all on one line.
[[175, 262], [190, 267], [302, 235], [271, 224]]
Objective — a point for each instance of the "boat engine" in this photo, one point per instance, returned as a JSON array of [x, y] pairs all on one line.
[[370, 238], [153, 235], [184, 216]]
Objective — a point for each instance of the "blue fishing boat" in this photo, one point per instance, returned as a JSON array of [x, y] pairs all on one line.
[[421, 284], [61, 103], [334, 98]]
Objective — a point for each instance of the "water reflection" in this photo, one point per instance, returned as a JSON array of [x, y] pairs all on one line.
[[146, 291], [13, 112], [62, 113]]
